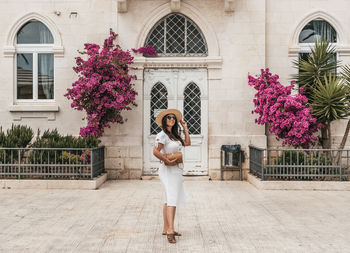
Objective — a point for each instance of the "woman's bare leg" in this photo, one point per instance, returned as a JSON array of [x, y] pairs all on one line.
[[165, 218], [171, 217]]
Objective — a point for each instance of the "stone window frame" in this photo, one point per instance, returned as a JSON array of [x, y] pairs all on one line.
[[342, 45], [213, 61], [10, 50], [186, 40], [306, 47], [35, 50]]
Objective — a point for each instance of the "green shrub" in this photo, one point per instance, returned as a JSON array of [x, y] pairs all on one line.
[[16, 137], [284, 165], [19, 136], [2, 137], [303, 158], [53, 139]]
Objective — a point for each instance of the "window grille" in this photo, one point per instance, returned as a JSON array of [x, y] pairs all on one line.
[[159, 101], [177, 35], [192, 108]]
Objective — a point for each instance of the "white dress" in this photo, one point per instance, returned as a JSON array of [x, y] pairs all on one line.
[[171, 176]]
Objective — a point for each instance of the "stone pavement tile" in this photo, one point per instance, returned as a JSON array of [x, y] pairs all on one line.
[[126, 216]]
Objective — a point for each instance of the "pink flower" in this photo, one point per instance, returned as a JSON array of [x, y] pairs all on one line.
[[289, 118], [147, 50], [104, 87]]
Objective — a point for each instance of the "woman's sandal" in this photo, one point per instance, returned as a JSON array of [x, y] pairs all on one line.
[[175, 233], [171, 238]]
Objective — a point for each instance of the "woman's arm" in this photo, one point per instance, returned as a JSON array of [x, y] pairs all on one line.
[[187, 141], [160, 156]]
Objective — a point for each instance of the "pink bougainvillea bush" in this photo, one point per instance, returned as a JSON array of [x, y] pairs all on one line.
[[289, 117], [104, 87], [147, 50]]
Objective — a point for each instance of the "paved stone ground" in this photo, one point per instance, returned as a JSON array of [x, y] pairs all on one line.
[[125, 216]]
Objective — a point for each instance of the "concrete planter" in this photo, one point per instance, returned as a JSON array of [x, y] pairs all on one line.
[[93, 184], [298, 185]]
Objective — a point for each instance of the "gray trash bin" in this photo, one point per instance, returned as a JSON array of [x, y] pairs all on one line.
[[231, 158]]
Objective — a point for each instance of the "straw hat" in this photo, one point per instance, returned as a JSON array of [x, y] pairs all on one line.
[[160, 116]]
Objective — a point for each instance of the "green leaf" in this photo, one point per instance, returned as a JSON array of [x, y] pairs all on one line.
[[330, 98], [318, 63]]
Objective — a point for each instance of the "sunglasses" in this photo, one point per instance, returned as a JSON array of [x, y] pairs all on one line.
[[171, 117]]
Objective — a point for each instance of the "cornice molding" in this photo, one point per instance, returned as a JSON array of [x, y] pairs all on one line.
[[9, 48], [178, 62], [342, 41]]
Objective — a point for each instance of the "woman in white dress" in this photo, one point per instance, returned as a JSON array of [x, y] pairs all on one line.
[[169, 141]]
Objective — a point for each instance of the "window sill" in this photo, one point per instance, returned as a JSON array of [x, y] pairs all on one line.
[[34, 108]]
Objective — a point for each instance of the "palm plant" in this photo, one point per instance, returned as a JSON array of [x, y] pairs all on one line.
[[330, 102], [325, 91], [318, 63], [345, 74]]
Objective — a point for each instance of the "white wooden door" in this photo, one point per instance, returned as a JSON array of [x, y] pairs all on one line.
[[187, 91]]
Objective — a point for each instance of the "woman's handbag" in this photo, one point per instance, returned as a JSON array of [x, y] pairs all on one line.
[[176, 155]]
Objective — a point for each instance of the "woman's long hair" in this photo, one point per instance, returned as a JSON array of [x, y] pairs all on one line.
[[175, 131]]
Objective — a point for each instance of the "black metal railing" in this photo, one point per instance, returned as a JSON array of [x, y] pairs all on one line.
[[51, 163], [299, 164]]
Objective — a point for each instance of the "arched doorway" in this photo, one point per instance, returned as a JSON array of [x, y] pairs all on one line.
[[185, 89]]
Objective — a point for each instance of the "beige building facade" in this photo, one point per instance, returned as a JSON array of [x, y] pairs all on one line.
[[207, 81]]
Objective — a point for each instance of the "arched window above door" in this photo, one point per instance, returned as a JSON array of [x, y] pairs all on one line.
[[317, 30], [177, 35]]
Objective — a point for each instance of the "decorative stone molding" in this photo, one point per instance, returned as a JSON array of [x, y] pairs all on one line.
[[342, 50], [175, 5], [9, 49], [193, 14], [33, 108], [177, 62], [34, 111], [122, 6], [58, 51], [230, 5], [342, 42], [293, 51], [50, 116]]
